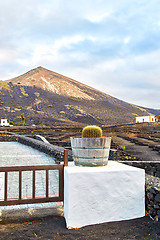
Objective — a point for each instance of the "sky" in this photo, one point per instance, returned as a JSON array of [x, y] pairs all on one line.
[[113, 46]]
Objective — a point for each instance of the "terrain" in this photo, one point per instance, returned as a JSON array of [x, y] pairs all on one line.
[[132, 143], [45, 97], [53, 227]]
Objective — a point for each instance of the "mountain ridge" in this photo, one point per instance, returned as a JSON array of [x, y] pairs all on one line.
[[45, 73], [46, 97]]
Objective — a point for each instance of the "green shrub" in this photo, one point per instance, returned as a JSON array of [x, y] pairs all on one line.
[[11, 123], [122, 147], [37, 94]]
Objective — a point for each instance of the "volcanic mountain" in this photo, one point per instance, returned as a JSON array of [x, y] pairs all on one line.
[[45, 97]]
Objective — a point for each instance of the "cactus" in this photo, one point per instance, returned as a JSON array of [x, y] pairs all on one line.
[[91, 132]]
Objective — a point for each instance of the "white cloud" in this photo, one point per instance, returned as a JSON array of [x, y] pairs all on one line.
[[111, 65], [53, 52], [127, 40], [7, 55], [67, 41], [98, 18]]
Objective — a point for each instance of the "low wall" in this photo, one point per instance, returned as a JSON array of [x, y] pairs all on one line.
[[153, 196], [8, 138], [152, 170], [91, 197], [52, 150]]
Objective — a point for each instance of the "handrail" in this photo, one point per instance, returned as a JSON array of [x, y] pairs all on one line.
[[34, 199]]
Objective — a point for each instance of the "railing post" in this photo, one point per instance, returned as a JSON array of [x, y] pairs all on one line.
[[46, 182], [20, 185], [6, 186], [33, 186], [65, 158], [61, 184]]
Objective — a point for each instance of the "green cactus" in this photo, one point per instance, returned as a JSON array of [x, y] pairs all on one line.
[[91, 132]]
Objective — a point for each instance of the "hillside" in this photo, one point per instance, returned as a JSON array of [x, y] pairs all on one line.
[[46, 97]]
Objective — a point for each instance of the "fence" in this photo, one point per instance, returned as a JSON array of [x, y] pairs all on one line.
[[33, 169]]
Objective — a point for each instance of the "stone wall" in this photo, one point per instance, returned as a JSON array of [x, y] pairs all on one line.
[[8, 138], [151, 168], [52, 150], [153, 196], [152, 201]]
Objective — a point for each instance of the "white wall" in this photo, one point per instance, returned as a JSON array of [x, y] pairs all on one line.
[[4, 122], [145, 119], [94, 195]]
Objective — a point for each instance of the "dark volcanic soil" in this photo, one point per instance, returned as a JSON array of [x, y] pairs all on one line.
[[53, 227], [143, 153]]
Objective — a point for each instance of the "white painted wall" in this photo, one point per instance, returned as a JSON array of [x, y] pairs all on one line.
[[145, 119], [4, 122], [95, 195]]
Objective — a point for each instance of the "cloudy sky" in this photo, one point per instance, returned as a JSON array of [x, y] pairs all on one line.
[[113, 46]]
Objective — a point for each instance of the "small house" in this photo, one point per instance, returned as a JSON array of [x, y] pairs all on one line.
[[146, 119], [4, 122]]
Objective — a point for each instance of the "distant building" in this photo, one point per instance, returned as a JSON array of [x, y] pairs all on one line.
[[4, 122], [146, 119]]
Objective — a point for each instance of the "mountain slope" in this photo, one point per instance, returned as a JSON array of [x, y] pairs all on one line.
[[52, 82], [48, 97]]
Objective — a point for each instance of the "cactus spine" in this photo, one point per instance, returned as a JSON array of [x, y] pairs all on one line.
[[91, 132]]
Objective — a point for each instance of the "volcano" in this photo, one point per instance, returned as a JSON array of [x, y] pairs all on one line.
[[46, 97]]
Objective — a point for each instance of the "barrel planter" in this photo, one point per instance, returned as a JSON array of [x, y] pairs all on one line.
[[90, 151]]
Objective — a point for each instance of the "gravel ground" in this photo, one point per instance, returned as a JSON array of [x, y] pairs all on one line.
[[143, 152], [53, 227]]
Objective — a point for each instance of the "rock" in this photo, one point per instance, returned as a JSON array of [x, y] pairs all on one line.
[[150, 204], [157, 197], [152, 190], [150, 196], [157, 174], [158, 213], [152, 212], [156, 206]]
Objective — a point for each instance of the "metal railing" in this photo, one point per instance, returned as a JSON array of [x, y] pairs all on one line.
[[33, 169]]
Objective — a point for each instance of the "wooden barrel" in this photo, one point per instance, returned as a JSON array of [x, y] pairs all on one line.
[[90, 151]]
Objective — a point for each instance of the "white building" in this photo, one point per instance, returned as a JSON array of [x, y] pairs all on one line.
[[4, 122], [146, 119]]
